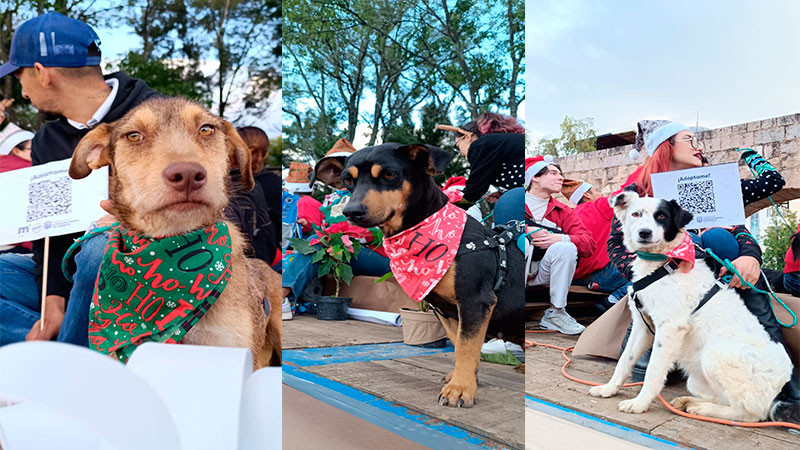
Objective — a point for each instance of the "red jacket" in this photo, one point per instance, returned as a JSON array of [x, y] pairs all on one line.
[[569, 222], [791, 264], [596, 216]]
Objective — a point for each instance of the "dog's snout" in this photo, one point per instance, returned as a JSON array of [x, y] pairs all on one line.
[[355, 211], [645, 233], [185, 176]]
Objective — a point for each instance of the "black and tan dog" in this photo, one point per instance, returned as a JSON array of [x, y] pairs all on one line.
[[393, 188]]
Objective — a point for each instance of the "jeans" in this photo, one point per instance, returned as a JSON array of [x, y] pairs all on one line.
[[608, 280], [298, 269], [510, 206], [75, 327], [720, 241], [19, 300], [791, 281]]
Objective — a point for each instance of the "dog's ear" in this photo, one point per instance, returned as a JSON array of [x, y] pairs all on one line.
[[621, 201], [239, 154], [435, 159], [92, 152], [330, 172], [680, 216]]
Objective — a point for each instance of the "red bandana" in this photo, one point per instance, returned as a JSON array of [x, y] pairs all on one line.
[[684, 251], [421, 255]]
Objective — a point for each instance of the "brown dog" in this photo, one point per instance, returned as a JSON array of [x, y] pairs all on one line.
[[170, 161]]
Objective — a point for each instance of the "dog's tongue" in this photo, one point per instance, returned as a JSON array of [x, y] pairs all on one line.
[[684, 251]]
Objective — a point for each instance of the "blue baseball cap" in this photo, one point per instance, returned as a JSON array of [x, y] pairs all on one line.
[[52, 40]]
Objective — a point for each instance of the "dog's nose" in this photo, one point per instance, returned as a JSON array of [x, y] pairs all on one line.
[[185, 176], [355, 211], [645, 233]]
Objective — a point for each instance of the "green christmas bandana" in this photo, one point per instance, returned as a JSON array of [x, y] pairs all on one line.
[[156, 289]]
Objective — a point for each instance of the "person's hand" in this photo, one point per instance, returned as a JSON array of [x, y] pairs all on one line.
[[748, 267], [4, 104], [111, 217], [53, 316], [543, 239], [492, 198]]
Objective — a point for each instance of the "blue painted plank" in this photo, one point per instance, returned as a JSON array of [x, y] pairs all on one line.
[[355, 353], [598, 424], [412, 425]]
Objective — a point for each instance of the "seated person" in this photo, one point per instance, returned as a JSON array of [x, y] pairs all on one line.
[[595, 271], [791, 268], [562, 236], [299, 269], [15, 153]]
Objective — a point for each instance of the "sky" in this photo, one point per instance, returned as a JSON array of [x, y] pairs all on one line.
[[116, 42], [619, 62]]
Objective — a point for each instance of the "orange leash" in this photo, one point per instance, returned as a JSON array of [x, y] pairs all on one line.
[[663, 401]]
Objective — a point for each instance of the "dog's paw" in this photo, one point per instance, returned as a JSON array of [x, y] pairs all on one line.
[[605, 391], [458, 395], [634, 406], [682, 403]]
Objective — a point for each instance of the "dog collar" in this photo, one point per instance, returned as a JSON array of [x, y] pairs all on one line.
[[156, 289], [420, 256]]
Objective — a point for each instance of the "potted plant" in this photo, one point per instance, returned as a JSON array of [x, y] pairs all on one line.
[[334, 253], [421, 327]]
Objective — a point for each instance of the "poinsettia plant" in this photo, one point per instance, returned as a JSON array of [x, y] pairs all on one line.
[[334, 253]]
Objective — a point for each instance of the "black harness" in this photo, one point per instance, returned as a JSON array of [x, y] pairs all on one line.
[[504, 235], [667, 269]]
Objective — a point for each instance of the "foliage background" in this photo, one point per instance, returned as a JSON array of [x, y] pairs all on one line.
[[225, 54], [381, 70]]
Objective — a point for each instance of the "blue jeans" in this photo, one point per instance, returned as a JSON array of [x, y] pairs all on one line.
[[19, 300], [510, 206], [298, 269], [791, 281], [609, 280], [720, 241]]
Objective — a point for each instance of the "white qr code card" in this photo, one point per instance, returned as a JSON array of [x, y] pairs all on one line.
[[713, 194], [44, 201]]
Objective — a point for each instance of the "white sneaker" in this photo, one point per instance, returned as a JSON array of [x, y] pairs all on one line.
[[560, 321], [286, 310]]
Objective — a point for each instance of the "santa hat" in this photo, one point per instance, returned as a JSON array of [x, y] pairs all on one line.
[[574, 190], [297, 180], [534, 165], [11, 136], [652, 133], [340, 151], [454, 188]]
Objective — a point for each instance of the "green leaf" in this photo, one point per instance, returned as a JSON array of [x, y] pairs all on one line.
[[318, 256], [385, 277], [346, 273], [324, 268], [302, 246]]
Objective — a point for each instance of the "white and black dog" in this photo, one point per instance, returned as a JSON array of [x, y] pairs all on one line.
[[734, 369]]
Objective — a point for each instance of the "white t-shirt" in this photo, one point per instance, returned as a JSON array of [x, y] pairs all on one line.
[[538, 208]]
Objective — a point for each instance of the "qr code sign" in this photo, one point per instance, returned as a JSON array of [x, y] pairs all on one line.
[[49, 198], [697, 197]]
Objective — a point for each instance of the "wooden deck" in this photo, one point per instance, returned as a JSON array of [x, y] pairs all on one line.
[[544, 381], [410, 381]]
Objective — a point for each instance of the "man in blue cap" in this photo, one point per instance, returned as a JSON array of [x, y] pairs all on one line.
[[57, 61]]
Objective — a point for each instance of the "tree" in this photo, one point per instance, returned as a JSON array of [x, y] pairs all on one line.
[[777, 238], [577, 136]]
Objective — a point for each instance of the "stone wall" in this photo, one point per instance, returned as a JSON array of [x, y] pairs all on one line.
[[777, 139]]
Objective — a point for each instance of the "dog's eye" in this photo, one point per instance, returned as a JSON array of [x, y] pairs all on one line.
[[389, 175], [206, 130], [636, 214], [134, 136], [660, 216]]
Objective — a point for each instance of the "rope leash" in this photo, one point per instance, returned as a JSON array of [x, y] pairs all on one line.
[[760, 169], [666, 404], [727, 278]]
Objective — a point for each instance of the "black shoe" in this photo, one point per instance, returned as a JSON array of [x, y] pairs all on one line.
[[785, 412], [759, 305]]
